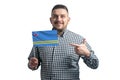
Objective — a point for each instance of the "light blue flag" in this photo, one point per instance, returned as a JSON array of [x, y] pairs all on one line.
[[45, 38]]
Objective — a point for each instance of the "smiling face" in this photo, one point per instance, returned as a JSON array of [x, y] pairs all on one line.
[[59, 19]]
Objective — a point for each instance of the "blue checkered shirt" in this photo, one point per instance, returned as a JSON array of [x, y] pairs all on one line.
[[61, 62]]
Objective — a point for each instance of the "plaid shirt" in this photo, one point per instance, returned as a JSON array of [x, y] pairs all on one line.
[[61, 62]]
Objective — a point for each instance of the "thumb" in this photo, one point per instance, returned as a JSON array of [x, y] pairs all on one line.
[[84, 41]]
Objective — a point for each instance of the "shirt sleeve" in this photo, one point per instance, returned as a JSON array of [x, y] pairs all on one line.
[[91, 61]]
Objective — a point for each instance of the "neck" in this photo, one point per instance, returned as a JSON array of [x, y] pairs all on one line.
[[60, 32]]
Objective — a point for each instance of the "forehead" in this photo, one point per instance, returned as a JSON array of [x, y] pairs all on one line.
[[59, 11]]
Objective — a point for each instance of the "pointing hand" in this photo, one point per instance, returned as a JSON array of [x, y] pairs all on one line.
[[81, 49]]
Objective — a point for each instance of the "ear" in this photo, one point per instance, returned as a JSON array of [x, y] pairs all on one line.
[[50, 20], [68, 19]]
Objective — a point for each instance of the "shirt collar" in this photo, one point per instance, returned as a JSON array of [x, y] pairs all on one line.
[[64, 32]]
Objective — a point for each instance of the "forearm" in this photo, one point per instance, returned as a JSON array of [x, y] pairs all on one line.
[[91, 61]]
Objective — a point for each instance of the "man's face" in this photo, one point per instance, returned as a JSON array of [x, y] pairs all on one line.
[[59, 19]]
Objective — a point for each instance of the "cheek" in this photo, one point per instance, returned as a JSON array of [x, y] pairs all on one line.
[[65, 21], [52, 20]]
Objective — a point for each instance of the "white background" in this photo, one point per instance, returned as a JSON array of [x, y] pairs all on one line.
[[97, 20]]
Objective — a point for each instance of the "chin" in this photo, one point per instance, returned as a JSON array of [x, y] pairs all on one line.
[[59, 29]]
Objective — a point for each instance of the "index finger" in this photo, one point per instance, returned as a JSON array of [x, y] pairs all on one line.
[[75, 45]]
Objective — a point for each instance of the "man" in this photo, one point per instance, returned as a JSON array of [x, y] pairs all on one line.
[[61, 62]]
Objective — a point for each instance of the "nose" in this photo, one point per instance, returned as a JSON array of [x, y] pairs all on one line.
[[59, 18]]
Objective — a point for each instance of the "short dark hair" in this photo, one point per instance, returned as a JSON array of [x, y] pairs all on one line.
[[60, 6]]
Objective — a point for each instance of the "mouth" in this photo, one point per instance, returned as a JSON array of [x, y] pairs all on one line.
[[58, 23]]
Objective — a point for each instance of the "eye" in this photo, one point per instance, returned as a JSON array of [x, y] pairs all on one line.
[[54, 16], [62, 16]]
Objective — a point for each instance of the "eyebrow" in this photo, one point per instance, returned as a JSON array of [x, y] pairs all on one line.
[[60, 14]]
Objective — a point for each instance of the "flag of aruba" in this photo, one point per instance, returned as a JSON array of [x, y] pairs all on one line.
[[45, 38]]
